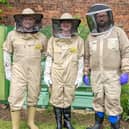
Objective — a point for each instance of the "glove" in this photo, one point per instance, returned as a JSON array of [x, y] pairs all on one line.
[[47, 71], [8, 74], [124, 78], [47, 81], [78, 81], [7, 65], [86, 80]]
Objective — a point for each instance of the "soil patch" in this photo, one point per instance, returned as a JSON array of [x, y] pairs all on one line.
[[82, 117]]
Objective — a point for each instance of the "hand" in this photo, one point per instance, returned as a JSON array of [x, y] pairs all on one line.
[[124, 78], [78, 82], [86, 80], [47, 81]]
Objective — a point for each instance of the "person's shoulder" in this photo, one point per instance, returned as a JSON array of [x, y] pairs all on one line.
[[78, 37], [12, 32], [42, 35], [89, 36], [52, 38], [119, 29], [121, 33]]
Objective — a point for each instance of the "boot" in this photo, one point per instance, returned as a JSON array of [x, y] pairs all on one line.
[[15, 116], [115, 125], [58, 117], [67, 118], [115, 121], [98, 122], [31, 116]]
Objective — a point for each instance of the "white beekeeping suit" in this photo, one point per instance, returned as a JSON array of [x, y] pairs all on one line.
[[107, 55]]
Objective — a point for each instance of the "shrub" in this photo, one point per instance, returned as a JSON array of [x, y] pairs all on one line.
[[125, 102], [83, 30], [3, 1], [47, 30]]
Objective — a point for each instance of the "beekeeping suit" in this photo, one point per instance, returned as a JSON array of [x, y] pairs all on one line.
[[64, 66], [107, 55], [25, 44]]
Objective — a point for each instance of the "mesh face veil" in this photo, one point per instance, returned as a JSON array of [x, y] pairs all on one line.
[[65, 27], [96, 21], [28, 13]]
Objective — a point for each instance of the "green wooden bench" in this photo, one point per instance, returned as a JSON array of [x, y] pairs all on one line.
[[83, 99]]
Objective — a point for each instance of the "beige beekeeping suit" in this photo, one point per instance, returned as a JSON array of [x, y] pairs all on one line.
[[107, 55], [65, 54], [26, 68], [26, 45]]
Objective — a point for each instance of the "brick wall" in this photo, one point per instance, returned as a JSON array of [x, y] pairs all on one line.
[[54, 8]]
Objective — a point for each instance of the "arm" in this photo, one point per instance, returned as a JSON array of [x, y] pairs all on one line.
[[86, 63], [80, 63], [124, 51], [7, 50], [7, 64], [86, 58], [48, 64], [47, 71], [80, 72]]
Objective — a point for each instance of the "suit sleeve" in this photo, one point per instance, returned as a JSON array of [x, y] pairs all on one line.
[[8, 44], [124, 51], [86, 57]]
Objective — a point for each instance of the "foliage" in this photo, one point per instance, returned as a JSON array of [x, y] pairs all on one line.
[[1, 11], [83, 30], [47, 30], [125, 102], [3, 1]]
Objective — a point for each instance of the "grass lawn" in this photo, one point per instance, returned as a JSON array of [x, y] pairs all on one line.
[[41, 125]]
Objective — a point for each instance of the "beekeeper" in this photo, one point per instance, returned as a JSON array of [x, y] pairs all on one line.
[[107, 55], [25, 44], [64, 66]]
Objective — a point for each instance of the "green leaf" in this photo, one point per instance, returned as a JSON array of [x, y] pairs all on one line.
[[1, 11]]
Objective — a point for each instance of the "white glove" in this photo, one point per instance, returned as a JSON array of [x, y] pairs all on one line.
[[47, 81], [78, 81], [47, 71], [7, 65]]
